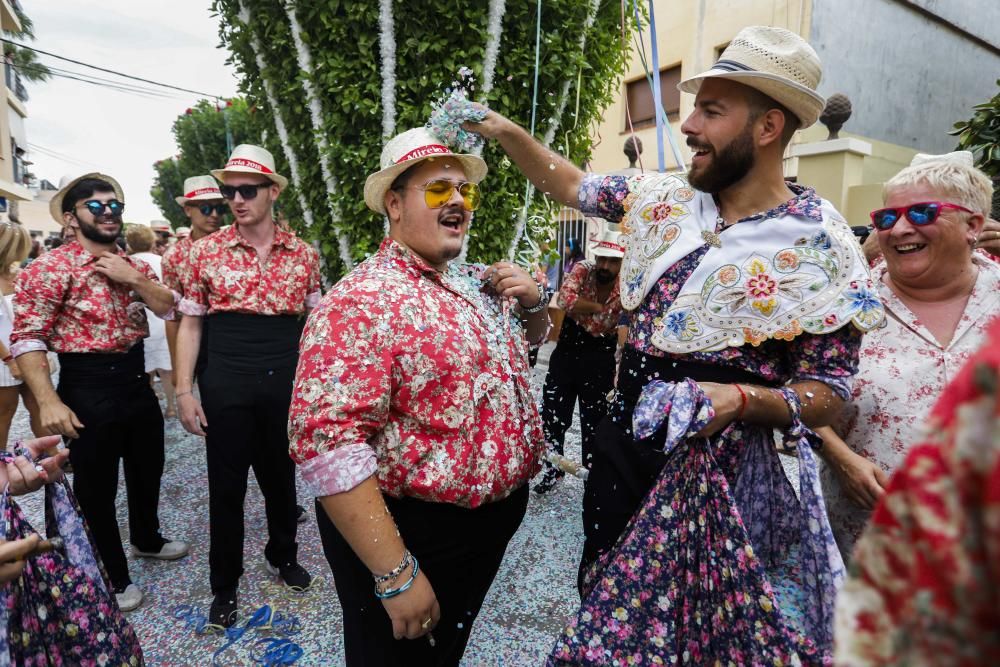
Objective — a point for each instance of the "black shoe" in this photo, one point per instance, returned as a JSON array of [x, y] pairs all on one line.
[[548, 481], [223, 611], [293, 574], [301, 517]]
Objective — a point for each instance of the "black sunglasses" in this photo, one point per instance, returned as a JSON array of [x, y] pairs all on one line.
[[220, 209], [96, 208], [248, 191]]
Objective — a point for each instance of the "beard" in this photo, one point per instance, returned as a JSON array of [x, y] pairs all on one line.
[[727, 166], [603, 276], [92, 232]]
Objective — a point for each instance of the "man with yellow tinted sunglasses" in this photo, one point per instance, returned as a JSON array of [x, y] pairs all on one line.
[[412, 415]]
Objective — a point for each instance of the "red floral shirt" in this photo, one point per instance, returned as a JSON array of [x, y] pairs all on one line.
[[581, 283], [175, 263], [225, 275], [62, 303], [418, 377]]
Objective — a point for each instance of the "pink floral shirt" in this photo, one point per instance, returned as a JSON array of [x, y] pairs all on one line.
[[581, 283], [225, 275], [63, 304], [419, 378], [902, 372]]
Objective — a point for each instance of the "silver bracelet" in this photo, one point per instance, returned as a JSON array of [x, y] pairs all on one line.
[[540, 306], [398, 570]]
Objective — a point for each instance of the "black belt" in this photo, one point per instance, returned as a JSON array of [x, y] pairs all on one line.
[[103, 368]]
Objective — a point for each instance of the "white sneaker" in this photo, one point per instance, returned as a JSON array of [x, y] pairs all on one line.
[[130, 598], [170, 551]]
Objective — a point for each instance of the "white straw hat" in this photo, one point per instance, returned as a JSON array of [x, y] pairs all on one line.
[[161, 226], [198, 188], [408, 149], [775, 61], [66, 184], [183, 232], [250, 159], [608, 244]]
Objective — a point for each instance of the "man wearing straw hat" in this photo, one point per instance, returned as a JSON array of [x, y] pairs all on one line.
[[583, 364], [254, 283], [412, 417], [84, 300], [205, 208], [745, 293]]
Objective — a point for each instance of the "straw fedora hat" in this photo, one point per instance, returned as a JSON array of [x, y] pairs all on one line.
[[161, 226], [250, 159], [775, 61], [66, 184], [198, 188], [408, 149], [608, 244]]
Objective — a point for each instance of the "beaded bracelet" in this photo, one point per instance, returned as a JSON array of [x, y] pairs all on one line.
[[538, 307], [398, 570], [393, 592]]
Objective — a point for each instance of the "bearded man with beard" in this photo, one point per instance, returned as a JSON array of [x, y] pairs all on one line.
[[84, 301], [583, 364], [746, 296]]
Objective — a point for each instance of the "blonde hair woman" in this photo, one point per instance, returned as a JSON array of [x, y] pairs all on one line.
[[141, 241], [939, 294], [15, 244]]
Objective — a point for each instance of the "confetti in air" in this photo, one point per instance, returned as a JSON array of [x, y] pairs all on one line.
[[454, 109]]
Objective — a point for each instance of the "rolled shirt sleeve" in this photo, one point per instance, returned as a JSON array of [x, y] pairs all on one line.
[[315, 281], [603, 196], [569, 292], [341, 395], [38, 297]]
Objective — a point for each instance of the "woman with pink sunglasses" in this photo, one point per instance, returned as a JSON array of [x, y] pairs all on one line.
[[939, 295]]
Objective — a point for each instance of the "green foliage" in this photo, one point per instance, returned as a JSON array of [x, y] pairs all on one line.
[[433, 40], [981, 135], [200, 133], [23, 60]]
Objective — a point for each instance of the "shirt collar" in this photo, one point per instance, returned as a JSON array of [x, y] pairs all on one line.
[[408, 260], [805, 204], [281, 237], [81, 256]]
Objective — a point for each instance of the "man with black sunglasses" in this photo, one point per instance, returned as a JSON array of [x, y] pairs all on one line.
[[205, 208], [254, 283], [84, 300]]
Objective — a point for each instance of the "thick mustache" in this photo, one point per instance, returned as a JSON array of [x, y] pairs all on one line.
[[451, 210], [698, 147]]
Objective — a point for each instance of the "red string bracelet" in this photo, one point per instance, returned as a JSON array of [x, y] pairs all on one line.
[[743, 401]]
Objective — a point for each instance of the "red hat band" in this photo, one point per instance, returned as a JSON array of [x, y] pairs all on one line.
[[243, 162], [424, 151]]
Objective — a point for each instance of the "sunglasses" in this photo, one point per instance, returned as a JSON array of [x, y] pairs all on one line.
[[923, 213], [437, 194], [220, 209], [248, 192], [96, 208]]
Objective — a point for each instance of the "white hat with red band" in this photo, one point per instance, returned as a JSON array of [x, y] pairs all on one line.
[[199, 188], [250, 159], [407, 150], [608, 244]]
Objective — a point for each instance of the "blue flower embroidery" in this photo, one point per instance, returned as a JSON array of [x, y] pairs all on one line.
[[820, 240], [677, 322]]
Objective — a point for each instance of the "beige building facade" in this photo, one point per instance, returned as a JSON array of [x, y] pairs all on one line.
[[13, 140]]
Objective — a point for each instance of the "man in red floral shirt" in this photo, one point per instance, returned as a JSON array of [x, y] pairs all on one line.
[[583, 364], [204, 206], [84, 300], [254, 282], [412, 416]]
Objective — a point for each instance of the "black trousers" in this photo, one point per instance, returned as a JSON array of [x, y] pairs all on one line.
[[247, 428], [246, 388], [459, 550], [111, 396], [581, 367]]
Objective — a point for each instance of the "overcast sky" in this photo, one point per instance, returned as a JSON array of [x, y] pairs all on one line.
[[105, 130]]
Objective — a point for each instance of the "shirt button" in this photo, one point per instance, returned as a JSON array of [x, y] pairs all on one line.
[[270, 372]]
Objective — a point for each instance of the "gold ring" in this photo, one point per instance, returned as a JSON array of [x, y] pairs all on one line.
[[426, 624]]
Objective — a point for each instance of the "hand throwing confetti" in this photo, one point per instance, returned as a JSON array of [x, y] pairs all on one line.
[[454, 109]]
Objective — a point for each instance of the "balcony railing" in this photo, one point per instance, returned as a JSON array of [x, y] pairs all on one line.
[[14, 83]]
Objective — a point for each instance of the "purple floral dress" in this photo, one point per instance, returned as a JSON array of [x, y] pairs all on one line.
[[61, 611], [722, 562]]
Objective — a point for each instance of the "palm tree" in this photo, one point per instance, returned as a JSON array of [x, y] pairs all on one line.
[[24, 61]]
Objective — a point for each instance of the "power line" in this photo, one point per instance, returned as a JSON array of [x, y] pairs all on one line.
[[122, 88], [39, 68], [109, 71]]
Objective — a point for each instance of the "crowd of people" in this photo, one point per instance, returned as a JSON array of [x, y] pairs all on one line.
[[722, 308]]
